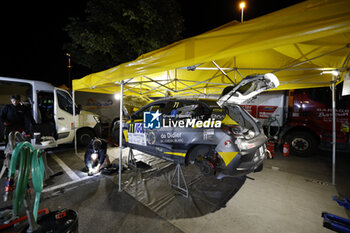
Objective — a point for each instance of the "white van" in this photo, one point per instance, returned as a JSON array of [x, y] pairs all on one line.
[[52, 105]]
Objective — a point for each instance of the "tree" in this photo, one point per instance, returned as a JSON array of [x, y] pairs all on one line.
[[117, 31]]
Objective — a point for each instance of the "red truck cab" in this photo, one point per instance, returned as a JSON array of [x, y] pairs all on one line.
[[310, 120], [303, 118]]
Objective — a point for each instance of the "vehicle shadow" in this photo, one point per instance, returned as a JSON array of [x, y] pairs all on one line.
[[152, 187]]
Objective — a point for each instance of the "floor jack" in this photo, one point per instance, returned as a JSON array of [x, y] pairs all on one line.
[[26, 161], [334, 222]]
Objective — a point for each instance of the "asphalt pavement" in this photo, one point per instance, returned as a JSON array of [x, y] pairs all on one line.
[[287, 196]]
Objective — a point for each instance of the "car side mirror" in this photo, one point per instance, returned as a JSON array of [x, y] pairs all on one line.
[[78, 109]]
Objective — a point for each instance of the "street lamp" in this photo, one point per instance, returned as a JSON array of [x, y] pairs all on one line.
[[242, 5], [69, 70]]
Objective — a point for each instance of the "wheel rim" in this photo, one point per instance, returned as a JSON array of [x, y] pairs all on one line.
[[300, 144]]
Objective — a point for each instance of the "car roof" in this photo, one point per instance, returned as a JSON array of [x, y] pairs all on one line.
[[209, 102]]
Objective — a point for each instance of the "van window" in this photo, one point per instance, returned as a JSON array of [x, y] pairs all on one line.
[[45, 106], [65, 101]]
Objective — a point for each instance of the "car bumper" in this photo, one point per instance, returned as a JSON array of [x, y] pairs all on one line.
[[247, 163]]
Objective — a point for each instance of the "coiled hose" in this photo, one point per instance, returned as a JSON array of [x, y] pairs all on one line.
[[30, 160], [268, 122]]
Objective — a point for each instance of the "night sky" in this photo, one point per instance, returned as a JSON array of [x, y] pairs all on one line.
[[32, 36]]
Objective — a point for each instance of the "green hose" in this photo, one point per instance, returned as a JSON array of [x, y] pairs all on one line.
[[30, 160], [269, 122]]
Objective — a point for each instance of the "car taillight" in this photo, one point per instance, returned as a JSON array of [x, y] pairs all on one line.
[[245, 145], [233, 130]]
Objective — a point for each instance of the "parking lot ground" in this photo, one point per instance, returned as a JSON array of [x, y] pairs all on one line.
[[289, 195]]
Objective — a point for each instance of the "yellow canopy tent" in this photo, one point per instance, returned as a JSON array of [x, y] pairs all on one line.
[[296, 43]]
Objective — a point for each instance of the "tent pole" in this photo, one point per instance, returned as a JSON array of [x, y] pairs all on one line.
[[235, 67], [333, 129], [74, 125], [175, 80], [121, 135]]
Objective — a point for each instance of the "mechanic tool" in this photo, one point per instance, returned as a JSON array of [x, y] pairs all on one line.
[[180, 189], [337, 223], [342, 202]]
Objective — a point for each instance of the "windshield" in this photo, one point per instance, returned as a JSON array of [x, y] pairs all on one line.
[[65, 102]]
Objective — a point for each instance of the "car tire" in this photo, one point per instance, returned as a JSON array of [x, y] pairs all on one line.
[[115, 134], [259, 168], [84, 136], [302, 143]]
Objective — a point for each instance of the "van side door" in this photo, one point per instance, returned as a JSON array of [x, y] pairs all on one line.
[[63, 114]]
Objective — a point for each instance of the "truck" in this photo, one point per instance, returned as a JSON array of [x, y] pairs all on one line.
[[303, 118], [51, 107]]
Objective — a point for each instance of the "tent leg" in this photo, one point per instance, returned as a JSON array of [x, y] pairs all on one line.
[[333, 129], [181, 189], [121, 135], [75, 128]]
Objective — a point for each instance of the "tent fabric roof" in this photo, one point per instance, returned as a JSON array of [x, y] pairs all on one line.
[[296, 43]]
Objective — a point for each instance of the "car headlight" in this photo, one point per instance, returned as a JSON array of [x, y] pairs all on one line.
[[249, 135]]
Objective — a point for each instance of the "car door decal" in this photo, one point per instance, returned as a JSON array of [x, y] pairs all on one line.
[[136, 134], [227, 157]]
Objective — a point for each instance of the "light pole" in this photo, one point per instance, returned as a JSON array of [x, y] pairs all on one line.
[[69, 70], [242, 5]]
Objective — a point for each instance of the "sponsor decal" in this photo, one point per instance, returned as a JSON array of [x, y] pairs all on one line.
[[218, 116], [208, 134], [227, 143], [171, 137], [139, 128], [151, 120], [94, 102], [265, 112], [342, 115], [137, 134], [193, 123]]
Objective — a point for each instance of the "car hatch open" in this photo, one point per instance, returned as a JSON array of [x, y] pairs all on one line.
[[249, 87]]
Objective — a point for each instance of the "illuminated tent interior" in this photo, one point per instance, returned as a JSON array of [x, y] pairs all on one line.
[[296, 44]]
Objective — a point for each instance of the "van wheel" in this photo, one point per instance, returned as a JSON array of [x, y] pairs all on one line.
[[302, 143], [84, 136]]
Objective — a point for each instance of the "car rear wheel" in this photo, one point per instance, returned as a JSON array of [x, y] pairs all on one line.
[[206, 167]]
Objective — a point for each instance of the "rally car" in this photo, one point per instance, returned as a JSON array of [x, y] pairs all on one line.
[[217, 135]]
